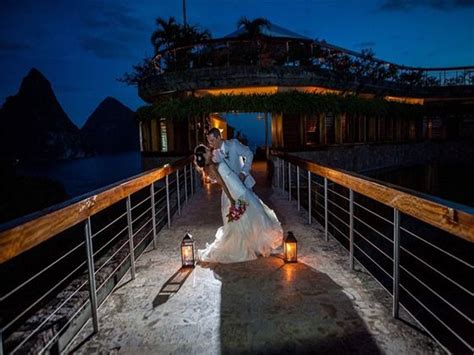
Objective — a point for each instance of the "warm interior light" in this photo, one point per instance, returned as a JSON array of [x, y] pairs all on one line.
[[290, 248], [187, 251]]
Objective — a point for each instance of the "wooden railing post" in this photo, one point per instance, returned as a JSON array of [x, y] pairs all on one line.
[[91, 272], [130, 237]]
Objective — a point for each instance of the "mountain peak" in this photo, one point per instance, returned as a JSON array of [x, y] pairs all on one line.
[[35, 82], [114, 120]]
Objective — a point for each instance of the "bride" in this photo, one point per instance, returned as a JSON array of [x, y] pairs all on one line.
[[256, 233]]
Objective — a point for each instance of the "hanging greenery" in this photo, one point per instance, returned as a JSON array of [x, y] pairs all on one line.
[[288, 102]]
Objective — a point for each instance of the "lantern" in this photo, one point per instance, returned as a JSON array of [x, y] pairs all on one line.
[[291, 248], [187, 251]]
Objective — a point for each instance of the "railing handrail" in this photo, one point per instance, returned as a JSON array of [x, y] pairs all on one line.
[[326, 45], [455, 221], [23, 235]]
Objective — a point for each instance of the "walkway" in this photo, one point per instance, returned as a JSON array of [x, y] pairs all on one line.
[[316, 305]]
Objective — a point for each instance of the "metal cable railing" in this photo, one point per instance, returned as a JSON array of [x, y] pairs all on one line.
[[421, 254], [52, 305]]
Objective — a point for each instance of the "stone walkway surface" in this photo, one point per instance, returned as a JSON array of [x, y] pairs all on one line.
[[264, 306]]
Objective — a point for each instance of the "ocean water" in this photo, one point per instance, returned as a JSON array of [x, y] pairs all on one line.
[[80, 176]]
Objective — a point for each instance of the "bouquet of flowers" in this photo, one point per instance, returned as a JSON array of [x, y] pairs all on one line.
[[236, 210]]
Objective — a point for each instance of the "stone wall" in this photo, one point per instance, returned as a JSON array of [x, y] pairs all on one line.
[[364, 157]]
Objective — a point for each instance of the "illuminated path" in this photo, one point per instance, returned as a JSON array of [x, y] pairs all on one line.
[[317, 305]]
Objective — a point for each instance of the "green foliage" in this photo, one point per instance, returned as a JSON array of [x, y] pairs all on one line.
[[288, 102]]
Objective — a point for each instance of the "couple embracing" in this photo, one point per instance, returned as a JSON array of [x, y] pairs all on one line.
[[250, 229]]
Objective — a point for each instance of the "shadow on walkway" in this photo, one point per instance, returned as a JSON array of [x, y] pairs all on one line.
[[268, 306], [172, 286]]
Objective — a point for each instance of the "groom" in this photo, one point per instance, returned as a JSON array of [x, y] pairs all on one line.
[[237, 156]]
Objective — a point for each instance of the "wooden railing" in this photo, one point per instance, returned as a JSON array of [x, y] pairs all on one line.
[[59, 265], [452, 220], [418, 247], [27, 234]]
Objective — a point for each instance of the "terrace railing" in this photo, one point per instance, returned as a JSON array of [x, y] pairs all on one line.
[[59, 266], [340, 63], [420, 250]]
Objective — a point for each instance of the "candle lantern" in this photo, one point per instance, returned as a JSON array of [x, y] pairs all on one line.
[[291, 248], [187, 251]]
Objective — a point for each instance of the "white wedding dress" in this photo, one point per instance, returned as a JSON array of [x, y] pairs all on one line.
[[256, 233]]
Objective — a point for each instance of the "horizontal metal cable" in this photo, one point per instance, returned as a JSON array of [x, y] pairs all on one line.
[[42, 297], [341, 208], [159, 210], [160, 189], [380, 267], [110, 240], [435, 316], [111, 257], [375, 214], [141, 215], [337, 229], [339, 219], [368, 241], [437, 294], [141, 241], [64, 326], [49, 317], [160, 200], [373, 229], [108, 225], [337, 193], [318, 184], [40, 272], [437, 271], [319, 214], [140, 203], [113, 272], [436, 247], [371, 274], [143, 226]]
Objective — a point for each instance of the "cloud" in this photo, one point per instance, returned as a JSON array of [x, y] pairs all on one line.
[[116, 16], [13, 46], [105, 48], [365, 44], [407, 5]]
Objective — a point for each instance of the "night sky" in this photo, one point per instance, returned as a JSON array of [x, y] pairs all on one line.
[[84, 46]]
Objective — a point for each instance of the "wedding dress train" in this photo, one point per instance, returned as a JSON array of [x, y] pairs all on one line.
[[256, 233]]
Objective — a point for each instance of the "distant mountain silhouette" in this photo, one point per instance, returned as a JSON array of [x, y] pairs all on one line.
[[33, 125], [111, 128]]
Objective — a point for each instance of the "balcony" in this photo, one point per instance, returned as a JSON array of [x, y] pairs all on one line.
[[380, 270], [236, 63]]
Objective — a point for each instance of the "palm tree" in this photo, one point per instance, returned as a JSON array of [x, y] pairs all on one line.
[[167, 34], [172, 35], [253, 28]]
